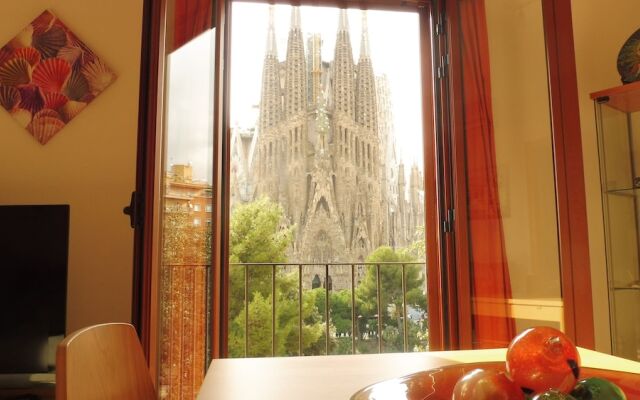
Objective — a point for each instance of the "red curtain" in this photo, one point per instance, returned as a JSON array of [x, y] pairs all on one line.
[[191, 18], [491, 286]]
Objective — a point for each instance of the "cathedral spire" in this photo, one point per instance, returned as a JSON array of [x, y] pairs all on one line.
[[343, 23], [366, 105], [271, 35], [295, 18], [364, 42], [295, 84], [314, 66], [270, 104], [343, 69]]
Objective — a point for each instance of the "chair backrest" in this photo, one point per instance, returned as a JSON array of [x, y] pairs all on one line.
[[102, 362]]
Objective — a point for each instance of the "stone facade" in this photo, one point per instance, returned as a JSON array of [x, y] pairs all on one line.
[[324, 150]]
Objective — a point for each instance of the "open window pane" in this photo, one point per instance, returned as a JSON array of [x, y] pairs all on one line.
[[186, 217], [327, 196], [511, 188]]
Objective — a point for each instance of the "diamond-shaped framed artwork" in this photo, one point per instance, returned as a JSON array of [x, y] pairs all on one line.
[[48, 76]]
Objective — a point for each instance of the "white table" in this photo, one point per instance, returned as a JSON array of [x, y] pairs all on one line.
[[338, 377]]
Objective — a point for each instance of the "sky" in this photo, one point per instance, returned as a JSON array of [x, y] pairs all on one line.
[[394, 45], [189, 108]]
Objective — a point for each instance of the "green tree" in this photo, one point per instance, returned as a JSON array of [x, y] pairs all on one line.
[[340, 305], [391, 298], [287, 323], [341, 317], [257, 235]]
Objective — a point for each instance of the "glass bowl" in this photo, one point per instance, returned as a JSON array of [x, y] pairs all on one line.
[[438, 383]]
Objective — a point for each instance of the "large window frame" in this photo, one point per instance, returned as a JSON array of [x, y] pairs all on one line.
[[568, 174], [450, 314], [220, 250]]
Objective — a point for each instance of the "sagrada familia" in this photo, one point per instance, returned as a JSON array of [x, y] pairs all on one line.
[[323, 148]]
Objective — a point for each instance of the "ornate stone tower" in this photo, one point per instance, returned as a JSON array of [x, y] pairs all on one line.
[[270, 118], [388, 166], [366, 110], [294, 127], [314, 65], [343, 72], [295, 83], [324, 150]]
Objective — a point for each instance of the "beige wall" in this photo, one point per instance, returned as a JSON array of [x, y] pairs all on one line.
[[90, 164], [600, 29], [523, 146], [524, 156]]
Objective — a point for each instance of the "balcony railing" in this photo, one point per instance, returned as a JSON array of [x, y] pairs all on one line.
[[182, 347], [355, 274], [183, 317]]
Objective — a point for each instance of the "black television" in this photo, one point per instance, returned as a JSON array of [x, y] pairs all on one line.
[[34, 242]]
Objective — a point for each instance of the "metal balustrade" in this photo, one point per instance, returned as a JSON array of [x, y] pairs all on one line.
[[291, 267]]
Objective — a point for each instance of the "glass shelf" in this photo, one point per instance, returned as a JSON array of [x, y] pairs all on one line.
[[618, 123]]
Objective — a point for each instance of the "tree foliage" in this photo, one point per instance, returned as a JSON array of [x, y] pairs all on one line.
[[392, 312], [257, 235], [287, 327], [391, 304]]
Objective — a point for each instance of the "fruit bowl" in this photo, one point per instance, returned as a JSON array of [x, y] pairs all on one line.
[[438, 383]]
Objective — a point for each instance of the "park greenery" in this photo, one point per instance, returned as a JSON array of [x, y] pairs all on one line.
[[258, 235]]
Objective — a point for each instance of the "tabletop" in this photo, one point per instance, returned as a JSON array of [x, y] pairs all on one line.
[[338, 377]]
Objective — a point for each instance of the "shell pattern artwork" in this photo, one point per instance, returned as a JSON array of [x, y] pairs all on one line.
[[48, 76]]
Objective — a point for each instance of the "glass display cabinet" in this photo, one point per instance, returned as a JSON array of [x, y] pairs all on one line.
[[618, 129]]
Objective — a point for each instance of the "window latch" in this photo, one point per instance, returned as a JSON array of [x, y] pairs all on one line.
[[447, 223], [439, 26], [133, 211], [441, 70]]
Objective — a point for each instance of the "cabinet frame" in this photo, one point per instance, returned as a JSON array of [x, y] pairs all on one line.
[[624, 100]]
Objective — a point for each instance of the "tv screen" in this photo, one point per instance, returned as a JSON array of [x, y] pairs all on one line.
[[34, 243]]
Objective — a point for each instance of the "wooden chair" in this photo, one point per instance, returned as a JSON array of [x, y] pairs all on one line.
[[102, 362]]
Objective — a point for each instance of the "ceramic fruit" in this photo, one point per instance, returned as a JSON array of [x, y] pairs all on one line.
[[553, 395], [482, 384], [543, 358], [597, 389]]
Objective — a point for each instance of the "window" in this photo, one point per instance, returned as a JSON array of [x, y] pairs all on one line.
[[191, 94], [284, 87], [185, 253]]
